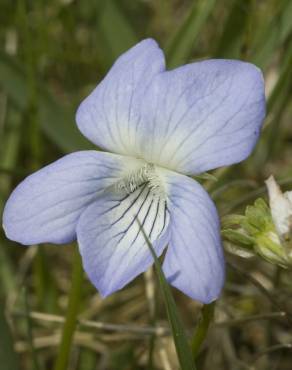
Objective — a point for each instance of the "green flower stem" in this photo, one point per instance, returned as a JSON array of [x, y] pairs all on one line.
[[201, 330], [71, 316]]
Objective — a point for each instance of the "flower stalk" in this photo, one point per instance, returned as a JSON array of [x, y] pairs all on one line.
[[207, 315]]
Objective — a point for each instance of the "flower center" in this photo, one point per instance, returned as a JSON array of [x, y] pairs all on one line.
[[147, 174]]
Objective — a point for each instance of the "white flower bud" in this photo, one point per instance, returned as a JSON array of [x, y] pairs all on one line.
[[281, 207]]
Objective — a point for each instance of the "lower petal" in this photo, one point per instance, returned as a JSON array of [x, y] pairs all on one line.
[[194, 261], [113, 248], [46, 206]]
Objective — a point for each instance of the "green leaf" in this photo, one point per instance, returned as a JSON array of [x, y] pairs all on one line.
[[180, 340], [237, 237], [182, 42], [57, 122], [232, 220], [8, 357]]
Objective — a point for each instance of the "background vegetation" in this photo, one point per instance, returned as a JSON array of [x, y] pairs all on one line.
[[52, 54]]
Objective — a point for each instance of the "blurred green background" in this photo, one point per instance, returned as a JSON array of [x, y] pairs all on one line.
[[52, 55]]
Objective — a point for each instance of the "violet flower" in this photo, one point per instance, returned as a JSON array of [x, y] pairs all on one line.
[[157, 127]]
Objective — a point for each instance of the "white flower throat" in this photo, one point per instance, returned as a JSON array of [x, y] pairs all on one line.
[[140, 195], [147, 174]]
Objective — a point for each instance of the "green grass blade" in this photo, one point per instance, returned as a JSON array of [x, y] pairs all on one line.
[[10, 145], [8, 357], [71, 316], [45, 282], [182, 41], [112, 22], [7, 274], [277, 103], [57, 122], [283, 84], [271, 32], [181, 343], [232, 40]]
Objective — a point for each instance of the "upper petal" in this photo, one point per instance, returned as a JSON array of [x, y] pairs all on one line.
[[45, 207], [110, 115], [194, 260], [202, 115], [113, 248]]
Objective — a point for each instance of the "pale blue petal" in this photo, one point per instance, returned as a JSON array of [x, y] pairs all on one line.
[[194, 261], [110, 115], [46, 206], [202, 116], [112, 246]]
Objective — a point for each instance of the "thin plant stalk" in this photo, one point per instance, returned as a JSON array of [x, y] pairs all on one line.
[[207, 315], [71, 316]]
